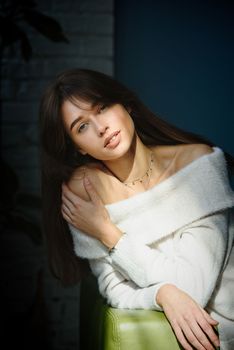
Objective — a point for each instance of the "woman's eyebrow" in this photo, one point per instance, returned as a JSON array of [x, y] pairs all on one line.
[[81, 117], [76, 121]]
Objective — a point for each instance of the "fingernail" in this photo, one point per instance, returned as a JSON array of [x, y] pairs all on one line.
[[87, 180]]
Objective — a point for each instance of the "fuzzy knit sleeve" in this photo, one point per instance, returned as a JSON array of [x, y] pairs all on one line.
[[194, 268], [119, 291], [195, 265]]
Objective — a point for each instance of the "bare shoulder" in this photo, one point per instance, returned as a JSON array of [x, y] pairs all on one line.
[[172, 158], [76, 181], [188, 153]]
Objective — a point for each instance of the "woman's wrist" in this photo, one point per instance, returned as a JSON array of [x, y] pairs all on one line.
[[111, 235], [164, 293]]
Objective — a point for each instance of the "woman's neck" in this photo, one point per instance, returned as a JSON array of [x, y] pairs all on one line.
[[133, 165]]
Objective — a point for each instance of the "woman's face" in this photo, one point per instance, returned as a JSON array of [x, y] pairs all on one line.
[[105, 133]]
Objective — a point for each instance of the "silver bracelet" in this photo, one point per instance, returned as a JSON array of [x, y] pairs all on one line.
[[113, 249]]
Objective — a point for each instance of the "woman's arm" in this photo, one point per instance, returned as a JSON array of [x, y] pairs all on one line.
[[186, 317], [194, 267], [191, 324]]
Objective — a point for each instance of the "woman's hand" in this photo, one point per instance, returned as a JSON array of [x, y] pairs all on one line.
[[91, 216], [193, 326]]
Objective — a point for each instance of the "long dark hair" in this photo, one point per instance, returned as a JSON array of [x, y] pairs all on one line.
[[59, 157]]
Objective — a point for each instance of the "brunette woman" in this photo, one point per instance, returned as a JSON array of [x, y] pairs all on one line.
[[145, 205]]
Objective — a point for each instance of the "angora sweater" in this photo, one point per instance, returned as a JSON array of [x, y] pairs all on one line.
[[180, 232]]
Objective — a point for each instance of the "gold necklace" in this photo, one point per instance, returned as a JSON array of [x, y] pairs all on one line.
[[147, 174]]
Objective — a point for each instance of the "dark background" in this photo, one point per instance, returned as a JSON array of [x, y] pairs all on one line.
[[178, 56]]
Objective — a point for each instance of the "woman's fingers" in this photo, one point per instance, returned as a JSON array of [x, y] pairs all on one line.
[[181, 338], [191, 336], [69, 205], [209, 330], [191, 324], [91, 191], [65, 216], [209, 318], [74, 199], [198, 336], [70, 196], [71, 212], [89, 216], [66, 209], [199, 332]]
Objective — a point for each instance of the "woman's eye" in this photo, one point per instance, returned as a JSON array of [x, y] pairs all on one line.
[[82, 127]]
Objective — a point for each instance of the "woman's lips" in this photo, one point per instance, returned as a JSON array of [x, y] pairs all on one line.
[[114, 141]]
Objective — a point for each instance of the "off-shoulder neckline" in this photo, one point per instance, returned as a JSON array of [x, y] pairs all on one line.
[[167, 182]]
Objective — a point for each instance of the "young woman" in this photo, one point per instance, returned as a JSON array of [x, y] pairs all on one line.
[[145, 205]]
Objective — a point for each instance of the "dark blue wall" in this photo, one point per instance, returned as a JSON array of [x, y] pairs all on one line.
[[178, 56]]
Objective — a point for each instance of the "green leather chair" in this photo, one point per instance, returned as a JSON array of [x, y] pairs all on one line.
[[106, 328]]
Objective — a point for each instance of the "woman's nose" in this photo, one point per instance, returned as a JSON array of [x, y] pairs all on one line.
[[102, 129]]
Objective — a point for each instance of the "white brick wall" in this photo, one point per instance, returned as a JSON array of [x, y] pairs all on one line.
[[88, 25]]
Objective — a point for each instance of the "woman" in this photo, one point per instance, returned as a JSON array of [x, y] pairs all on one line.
[[147, 205]]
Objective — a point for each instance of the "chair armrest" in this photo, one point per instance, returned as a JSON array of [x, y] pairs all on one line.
[[105, 328], [137, 330]]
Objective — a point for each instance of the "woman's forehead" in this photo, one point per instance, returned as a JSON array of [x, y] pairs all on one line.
[[81, 103], [72, 109]]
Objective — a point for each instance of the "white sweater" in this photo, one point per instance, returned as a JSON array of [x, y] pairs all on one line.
[[180, 232]]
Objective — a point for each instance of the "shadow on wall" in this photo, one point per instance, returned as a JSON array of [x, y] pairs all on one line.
[[15, 14], [26, 324], [23, 307]]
